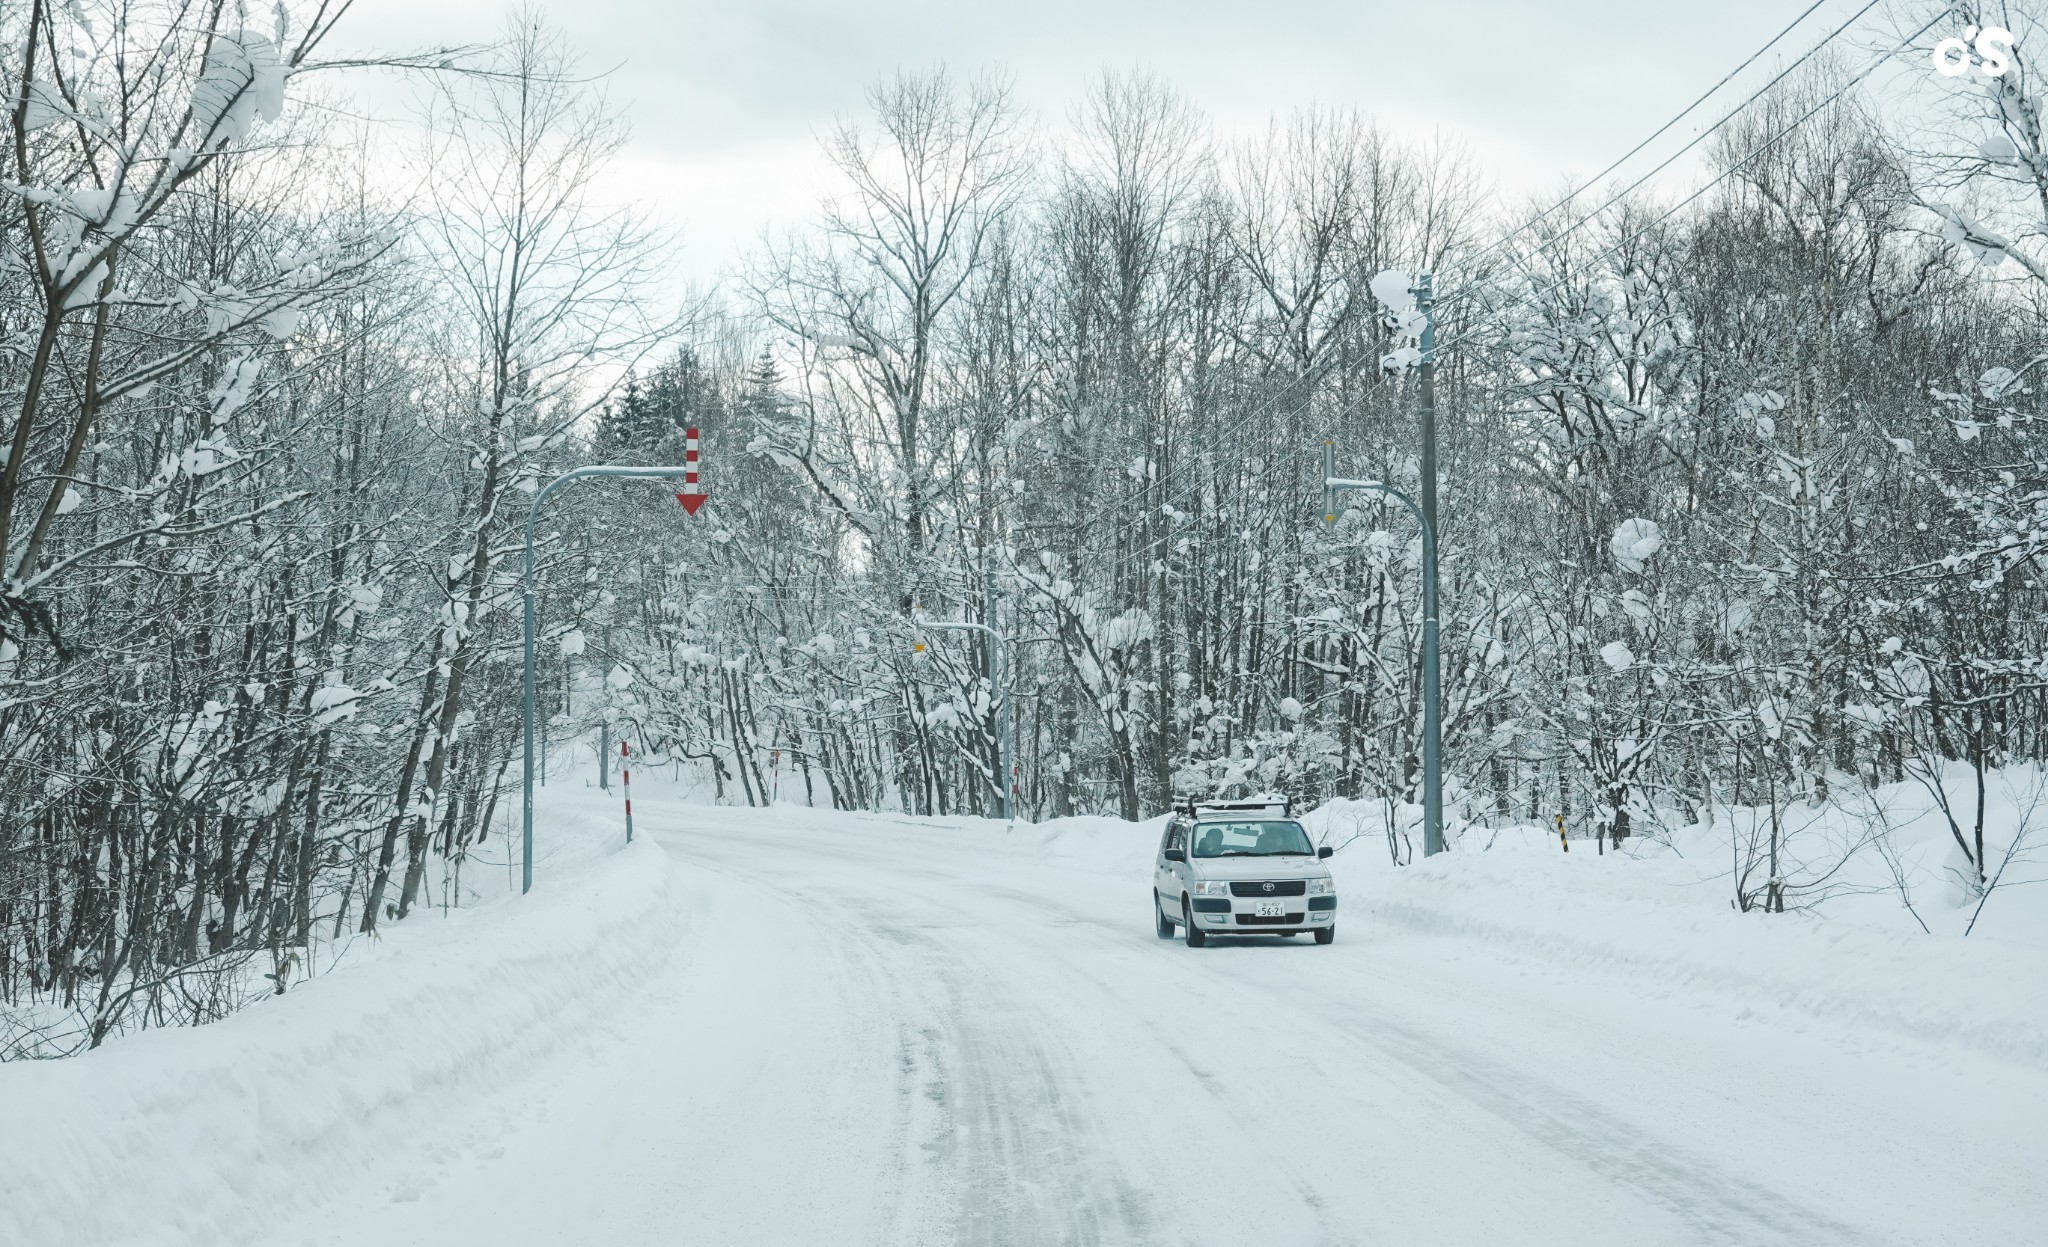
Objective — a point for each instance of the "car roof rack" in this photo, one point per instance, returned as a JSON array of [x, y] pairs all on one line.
[[1282, 807]]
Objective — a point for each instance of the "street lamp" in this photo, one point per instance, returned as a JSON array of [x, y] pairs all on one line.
[[526, 715], [996, 687], [1432, 755]]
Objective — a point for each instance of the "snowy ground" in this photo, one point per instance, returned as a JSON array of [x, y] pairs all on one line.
[[788, 1026]]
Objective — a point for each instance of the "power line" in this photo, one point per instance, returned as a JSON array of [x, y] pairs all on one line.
[[1727, 173], [1682, 114], [1697, 139]]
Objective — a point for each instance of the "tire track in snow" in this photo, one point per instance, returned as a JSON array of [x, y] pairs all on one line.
[[1087, 965], [984, 1090], [1719, 1207], [877, 1024]]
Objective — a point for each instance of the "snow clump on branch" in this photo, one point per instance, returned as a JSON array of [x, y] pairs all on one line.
[[1635, 543]]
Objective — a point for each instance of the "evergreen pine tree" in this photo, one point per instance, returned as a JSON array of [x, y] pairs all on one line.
[[762, 406], [620, 424], [681, 394]]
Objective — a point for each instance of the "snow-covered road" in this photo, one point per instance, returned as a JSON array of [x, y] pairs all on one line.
[[872, 1031]]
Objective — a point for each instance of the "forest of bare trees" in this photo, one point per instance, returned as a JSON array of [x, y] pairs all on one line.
[[1740, 497]]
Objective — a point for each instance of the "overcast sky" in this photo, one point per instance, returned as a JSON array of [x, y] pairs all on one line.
[[727, 101]]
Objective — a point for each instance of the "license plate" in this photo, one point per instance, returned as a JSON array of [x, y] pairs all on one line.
[[1271, 909]]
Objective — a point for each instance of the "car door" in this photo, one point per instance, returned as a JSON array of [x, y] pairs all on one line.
[[1164, 881], [1172, 874]]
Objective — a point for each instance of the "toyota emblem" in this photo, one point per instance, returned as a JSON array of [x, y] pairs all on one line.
[[1268, 887]]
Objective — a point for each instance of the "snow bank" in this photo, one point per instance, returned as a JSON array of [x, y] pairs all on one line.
[[204, 1136], [1531, 899], [1662, 914]]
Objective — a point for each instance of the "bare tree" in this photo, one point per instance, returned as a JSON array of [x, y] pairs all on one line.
[[925, 190]]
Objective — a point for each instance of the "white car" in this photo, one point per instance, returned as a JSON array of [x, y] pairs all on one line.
[[1241, 868]]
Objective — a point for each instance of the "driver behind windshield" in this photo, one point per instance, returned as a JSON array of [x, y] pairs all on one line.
[[1252, 840]]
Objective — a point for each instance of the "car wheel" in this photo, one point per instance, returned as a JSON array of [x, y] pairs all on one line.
[[1196, 936], [1161, 924], [1325, 935]]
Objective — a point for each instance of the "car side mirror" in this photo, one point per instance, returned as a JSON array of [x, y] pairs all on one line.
[[1325, 853], [1175, 855]]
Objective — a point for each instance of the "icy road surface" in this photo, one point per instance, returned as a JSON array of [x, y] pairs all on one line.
[[873, 1032]]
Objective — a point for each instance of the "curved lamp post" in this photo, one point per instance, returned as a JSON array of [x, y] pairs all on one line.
[[533, 513]]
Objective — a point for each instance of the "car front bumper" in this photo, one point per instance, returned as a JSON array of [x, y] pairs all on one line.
[[1239, 915]]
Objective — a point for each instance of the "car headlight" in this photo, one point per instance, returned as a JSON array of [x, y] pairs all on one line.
[[1324, 886], [1212, 887]]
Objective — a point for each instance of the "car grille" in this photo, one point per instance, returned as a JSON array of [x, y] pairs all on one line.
[[1279, 887], [1257, 920]]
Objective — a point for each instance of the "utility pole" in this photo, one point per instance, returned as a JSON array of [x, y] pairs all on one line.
[[1425, 514], [1432, 692]]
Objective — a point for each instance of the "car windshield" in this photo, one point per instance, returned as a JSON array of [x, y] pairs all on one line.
[[1260, 839]]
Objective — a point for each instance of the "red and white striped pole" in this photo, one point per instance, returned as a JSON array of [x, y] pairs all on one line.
[[692, 496], [626, 787]]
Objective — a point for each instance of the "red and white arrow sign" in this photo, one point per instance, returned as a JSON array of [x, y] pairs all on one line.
[[692, 496]]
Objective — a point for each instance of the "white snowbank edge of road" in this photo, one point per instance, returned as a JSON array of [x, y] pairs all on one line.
[[207, 1135], [1934, 992]]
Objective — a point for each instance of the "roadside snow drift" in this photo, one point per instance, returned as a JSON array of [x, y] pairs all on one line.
[[197, 1135]]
